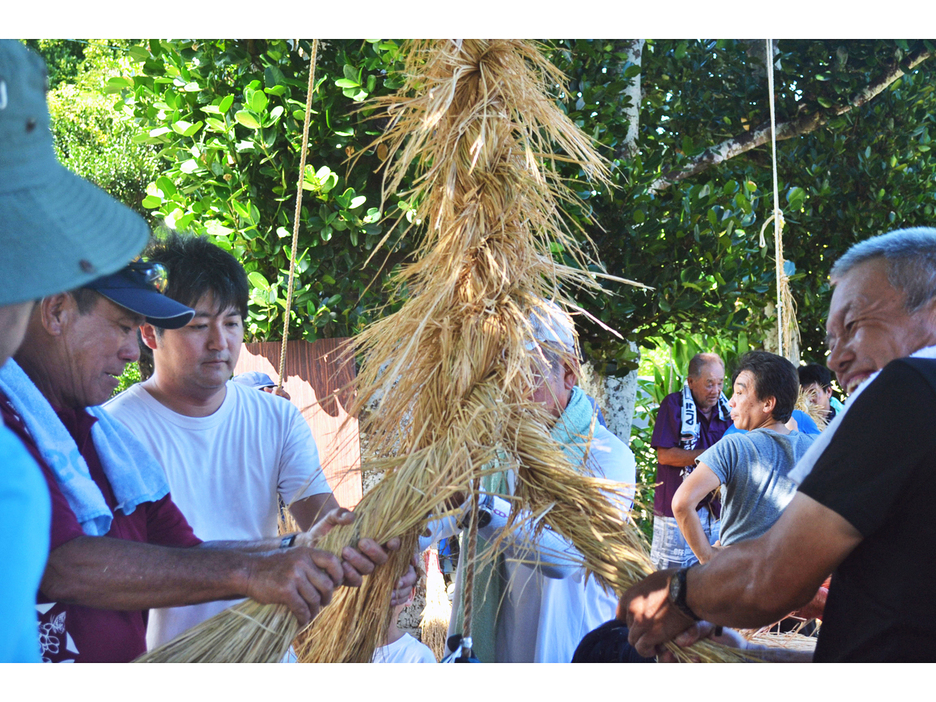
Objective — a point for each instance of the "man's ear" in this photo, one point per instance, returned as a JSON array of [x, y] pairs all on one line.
[[56, 311], [928, 312], [770, 404], [148, 334], [569, 376]]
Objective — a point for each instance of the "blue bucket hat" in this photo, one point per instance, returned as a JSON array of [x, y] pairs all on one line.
[[138, 287], [57, 230]]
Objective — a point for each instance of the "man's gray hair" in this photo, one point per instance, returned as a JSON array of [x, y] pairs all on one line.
[[911, 257], [700, 361]]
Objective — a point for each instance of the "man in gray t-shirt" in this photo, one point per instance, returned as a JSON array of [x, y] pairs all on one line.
[[753, 469], [752, 466]]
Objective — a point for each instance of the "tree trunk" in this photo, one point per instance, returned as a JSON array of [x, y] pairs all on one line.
[[770, 337], [633, 50], [615, 395]]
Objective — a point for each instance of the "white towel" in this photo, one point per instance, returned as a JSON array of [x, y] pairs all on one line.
[[134, 474], [689, 430]]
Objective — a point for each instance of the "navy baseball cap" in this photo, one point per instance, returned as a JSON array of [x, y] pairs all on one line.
[[138, 287], [57, 231]]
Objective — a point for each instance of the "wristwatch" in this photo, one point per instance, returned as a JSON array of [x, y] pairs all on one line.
[[677, 593]]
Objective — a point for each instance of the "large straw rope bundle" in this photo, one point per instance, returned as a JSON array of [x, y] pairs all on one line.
[[452, 368]]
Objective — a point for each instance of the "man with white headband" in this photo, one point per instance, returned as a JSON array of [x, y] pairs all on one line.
[[526, 613]]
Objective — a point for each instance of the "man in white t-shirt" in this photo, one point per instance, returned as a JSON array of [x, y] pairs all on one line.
[[229, 452]]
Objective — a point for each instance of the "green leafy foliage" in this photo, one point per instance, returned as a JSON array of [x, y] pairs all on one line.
[[64, 59], [226, 117], [862, 173], [130, 376], [91, 138]]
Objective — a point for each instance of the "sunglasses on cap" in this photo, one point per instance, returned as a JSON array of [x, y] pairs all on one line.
[[153, 273]]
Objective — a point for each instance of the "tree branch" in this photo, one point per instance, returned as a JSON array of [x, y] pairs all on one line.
[[804, 124]]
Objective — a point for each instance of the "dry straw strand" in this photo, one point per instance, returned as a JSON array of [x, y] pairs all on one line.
[[433, 625], [804, 403]]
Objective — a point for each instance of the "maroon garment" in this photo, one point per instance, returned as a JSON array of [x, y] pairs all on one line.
[[666, 434], [69, 632], [15, 424]]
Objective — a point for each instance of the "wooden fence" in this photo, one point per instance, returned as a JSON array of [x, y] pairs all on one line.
[[316, 380]]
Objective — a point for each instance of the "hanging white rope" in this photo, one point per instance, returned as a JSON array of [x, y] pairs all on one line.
[[777, 214], [787, 329]]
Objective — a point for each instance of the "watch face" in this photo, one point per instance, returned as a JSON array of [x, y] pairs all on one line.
[[675, 589], [677, 593]]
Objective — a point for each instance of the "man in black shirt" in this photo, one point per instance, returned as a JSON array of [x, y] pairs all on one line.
[[864, 509]]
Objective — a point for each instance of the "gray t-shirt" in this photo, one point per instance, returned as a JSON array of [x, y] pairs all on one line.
[[753, 469]]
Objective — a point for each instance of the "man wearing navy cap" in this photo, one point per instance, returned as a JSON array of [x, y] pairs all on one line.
[[104, 482]]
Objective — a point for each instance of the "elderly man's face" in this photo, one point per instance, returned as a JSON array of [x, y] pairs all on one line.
[[868, 326], [554, 388], [98, 345], [707, 388]]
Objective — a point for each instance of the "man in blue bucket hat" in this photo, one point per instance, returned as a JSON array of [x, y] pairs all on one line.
[[57, 231], [94, 591]]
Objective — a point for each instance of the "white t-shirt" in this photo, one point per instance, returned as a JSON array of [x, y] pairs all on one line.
[[406, 649], [547, 610], [225, 472]]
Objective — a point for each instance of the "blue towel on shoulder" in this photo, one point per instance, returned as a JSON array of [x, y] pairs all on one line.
[[135, 476]]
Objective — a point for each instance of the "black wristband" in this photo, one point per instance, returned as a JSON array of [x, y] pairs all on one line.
[[678, 593], [288, 541]]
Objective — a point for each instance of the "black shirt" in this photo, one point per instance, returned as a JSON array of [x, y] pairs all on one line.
[[879, 473]]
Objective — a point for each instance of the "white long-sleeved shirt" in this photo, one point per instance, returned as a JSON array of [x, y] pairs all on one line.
[[548, 607]]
